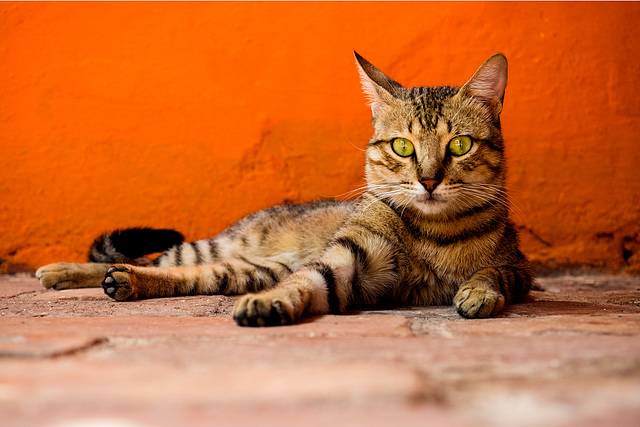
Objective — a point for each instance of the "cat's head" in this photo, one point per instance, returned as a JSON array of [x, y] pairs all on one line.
[[437, 150]]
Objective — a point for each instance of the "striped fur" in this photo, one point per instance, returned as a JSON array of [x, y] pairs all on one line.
[[431, 228]]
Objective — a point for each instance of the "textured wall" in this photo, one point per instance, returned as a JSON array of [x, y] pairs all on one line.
[[193, 115]]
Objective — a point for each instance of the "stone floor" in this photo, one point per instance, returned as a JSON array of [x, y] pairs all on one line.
[[570, 357]]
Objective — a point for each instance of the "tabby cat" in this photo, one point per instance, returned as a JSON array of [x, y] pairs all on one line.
[[431, 228]]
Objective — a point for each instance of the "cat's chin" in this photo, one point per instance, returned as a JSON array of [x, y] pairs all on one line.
[[431, 206]]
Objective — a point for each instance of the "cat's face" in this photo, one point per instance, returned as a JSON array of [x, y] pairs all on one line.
[[437, 150]]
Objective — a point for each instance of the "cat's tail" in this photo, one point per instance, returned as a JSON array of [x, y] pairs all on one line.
[[126, 246]]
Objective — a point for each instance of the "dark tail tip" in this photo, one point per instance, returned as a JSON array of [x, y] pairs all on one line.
[[131, 243]]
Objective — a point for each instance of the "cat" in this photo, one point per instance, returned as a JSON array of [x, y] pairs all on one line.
[[431, 228]]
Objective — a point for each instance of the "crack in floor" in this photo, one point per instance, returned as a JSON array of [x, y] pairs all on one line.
[[66, 352]]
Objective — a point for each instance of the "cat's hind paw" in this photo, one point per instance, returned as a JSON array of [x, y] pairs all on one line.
[[119, 283], [69, 275], [262, 310], [476, 299]]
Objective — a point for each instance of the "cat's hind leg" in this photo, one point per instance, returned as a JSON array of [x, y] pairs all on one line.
[[124, 282], [69, 275], [358, 267], [303, 292]]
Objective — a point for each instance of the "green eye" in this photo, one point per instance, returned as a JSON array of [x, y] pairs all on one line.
[[402, 147], [460, 145]]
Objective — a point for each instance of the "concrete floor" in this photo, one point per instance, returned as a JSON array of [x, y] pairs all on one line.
[[570, 357]]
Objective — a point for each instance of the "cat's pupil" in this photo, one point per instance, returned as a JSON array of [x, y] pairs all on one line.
[[402, 147], [460, 145]]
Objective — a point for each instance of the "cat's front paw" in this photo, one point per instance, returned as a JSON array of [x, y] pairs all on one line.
[[263, 310], [119, 283], [478, 299]]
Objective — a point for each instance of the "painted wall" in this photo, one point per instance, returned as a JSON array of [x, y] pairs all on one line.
[[192, 115]]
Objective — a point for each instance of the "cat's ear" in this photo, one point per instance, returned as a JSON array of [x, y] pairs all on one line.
[[381, 90], [489, 83]]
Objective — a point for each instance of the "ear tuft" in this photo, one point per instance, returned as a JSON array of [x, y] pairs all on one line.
[[489, 82], [381, 90]]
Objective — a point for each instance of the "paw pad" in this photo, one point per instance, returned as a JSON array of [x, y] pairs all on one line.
[[117, 283]]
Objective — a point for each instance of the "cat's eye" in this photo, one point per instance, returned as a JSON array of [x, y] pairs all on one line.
[[402, 147], [460, 145]]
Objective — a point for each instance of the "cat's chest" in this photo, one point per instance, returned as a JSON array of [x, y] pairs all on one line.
[[450, 262]]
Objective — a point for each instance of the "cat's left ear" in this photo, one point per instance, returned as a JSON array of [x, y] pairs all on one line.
[[382, 91], [489, 83]]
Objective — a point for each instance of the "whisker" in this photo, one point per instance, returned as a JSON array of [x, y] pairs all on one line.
[[354, 146], [498, 198], [347, 194]]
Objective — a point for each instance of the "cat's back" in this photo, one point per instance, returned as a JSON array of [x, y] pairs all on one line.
[[300, 229]]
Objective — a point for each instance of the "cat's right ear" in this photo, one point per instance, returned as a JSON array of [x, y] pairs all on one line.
[[489, 83], [381, 90]]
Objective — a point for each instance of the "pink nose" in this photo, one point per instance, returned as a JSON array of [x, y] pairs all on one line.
[[430, 184]]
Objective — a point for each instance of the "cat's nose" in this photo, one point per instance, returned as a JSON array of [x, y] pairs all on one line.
[[430, 184]]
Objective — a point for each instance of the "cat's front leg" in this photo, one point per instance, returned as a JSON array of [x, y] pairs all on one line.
[[487, 292]]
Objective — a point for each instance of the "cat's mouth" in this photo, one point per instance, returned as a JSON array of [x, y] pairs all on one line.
[[430, 202], [429, 198]]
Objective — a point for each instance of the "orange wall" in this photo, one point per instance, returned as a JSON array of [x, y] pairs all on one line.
[[192, 115]]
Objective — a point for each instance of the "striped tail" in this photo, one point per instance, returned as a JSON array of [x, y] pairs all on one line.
[[124, 246]]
